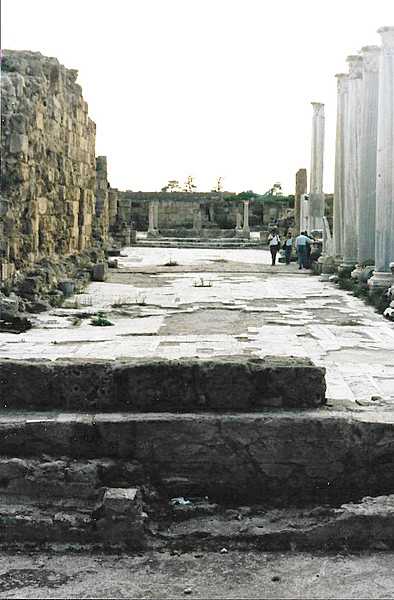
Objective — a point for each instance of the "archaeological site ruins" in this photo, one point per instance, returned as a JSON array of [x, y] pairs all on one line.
[[162, 385]]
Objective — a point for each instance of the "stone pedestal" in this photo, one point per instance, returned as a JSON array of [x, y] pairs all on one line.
[[316, 196], [352, 165], [339, 185], [384, 242]]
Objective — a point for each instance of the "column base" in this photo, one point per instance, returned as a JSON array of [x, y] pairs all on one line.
[[345, 268], [356, 273], [327, 264], [153, 233], [242, 233], [338, 260], [381, 280]]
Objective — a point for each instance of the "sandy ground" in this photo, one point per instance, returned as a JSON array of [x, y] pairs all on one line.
[[215, 303], [209, 575]]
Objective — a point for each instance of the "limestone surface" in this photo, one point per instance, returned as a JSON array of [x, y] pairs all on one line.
[[48, 167]]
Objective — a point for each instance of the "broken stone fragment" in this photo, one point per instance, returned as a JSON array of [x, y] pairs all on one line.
[[122, 519], [122, 501], [38, 306], [67, 287], [14, 322], [100, 272]]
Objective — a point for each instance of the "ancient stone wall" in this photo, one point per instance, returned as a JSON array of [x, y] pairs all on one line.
[[101, 216], [48, 172], [177, 210]]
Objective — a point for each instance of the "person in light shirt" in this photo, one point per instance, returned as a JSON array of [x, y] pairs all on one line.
[[302, 242], [274, 244]]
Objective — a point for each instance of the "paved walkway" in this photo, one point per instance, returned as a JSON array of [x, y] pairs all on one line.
[[215, 303], [205, 575]]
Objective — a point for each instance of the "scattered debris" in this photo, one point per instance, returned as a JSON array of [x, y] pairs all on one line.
[[180, 501]]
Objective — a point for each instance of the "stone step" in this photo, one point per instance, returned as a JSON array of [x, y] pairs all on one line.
[[117, 518], [158, 385], [205, 244], [368, 524], [48, 478], [281, 457]]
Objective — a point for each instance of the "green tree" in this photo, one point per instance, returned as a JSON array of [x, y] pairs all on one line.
[[189, 186], [172, 186]]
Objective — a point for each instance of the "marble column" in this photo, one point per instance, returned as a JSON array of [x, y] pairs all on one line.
[[301, 187], [156, 216], [339, 183], [238, 220], [151, 215], [368, 153], [316, 196], [197, 219], [384, 240], [304, 212], [245, 228], [352, 164]]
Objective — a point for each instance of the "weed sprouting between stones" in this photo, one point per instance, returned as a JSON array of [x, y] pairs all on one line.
[[78, 303], [202, 283], [171, 263], [140, 300], [100, 320]]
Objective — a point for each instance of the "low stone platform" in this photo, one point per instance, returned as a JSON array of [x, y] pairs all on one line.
[[282, 458], [144, 385], [196, 242]]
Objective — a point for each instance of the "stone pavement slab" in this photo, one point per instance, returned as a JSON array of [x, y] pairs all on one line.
[[217, 303]]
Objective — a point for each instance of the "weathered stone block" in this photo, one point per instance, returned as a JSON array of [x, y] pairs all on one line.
[[19, 143], [122, 501], [100, 272], [154, 385]]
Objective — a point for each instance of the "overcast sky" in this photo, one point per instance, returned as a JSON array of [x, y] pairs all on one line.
[[202, 87]]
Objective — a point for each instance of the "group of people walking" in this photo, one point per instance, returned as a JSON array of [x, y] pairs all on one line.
[[302, 242]]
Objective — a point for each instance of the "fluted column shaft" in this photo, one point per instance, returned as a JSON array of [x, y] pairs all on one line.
[[156, 215], [151, 217], [352, 163], [316, 196], [246, 216], [339, 185], [238, 220], [384, 243], [368, 154]]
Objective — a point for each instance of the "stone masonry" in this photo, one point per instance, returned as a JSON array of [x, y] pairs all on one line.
[[48, 167]]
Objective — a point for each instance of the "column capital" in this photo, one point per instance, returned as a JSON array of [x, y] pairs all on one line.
[[317, 107], [342, 81], [387, 34], [370, 56], [355, 66]]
